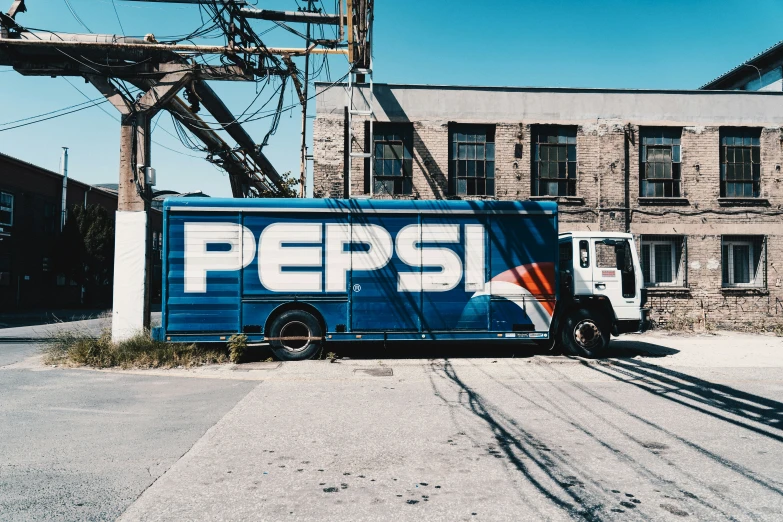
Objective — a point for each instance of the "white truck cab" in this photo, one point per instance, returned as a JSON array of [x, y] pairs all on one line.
[[601, 291]]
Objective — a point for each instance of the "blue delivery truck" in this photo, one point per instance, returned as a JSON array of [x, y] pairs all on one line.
[[301, 273]]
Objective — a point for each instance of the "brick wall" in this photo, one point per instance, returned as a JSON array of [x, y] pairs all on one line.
[[600, 202]]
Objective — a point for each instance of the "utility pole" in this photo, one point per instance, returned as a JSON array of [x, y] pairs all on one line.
[[161, 70], [63, 205], [303, 175]]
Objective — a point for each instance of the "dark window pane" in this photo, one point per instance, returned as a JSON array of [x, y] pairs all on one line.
[[490, 187], [471, 168], [572, 170], [645, 262], [741, 264], [479, 169], [572, 153], [490, 169], [490, 151], [396, 167], [462, 169], [756, 155], [407, 166]]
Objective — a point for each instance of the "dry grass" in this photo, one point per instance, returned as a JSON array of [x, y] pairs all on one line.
[[140, 351]]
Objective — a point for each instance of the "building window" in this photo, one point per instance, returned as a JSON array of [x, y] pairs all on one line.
[[663, 260], [5, 269], [393, 162], [472, 160], [6, 209], [660, 162], [50, 225], [740, 163], [554, 161], [744, 261]]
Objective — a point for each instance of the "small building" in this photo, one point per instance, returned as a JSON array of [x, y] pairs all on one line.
[[694, 175], [30, 225]]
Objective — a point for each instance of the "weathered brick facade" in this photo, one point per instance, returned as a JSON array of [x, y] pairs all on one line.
[[609, 125]]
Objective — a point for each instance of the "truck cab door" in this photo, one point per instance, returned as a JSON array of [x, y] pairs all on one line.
[[614, 276], [583, 267]]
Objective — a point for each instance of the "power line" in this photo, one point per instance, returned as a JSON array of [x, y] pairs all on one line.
[[50, 117], [118, 17], [52, 112], [76, 16]]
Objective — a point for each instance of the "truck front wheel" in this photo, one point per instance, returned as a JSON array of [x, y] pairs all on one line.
[[584, 335], [295, 335]]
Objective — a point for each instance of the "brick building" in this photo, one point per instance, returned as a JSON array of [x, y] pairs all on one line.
[[694, 175], [30, 217]]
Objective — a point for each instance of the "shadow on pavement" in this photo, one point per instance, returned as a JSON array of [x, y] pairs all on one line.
[[697, 394], [433, 350], [626, 349]]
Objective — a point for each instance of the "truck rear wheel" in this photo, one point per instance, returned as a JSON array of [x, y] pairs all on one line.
[[584, 335], [295, 335]]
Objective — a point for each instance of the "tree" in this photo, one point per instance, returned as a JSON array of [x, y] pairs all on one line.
[[85, 250]]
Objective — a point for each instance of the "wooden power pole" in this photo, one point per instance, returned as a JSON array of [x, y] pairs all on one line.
[[161, 70]]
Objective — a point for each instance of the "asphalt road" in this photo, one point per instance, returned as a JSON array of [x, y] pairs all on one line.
[[670, 428]]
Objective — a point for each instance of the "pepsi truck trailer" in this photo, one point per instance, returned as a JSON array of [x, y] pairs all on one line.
[[299, 273]]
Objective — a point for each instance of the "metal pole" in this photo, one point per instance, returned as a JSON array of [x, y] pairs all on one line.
[[63, 207], [303, 161]]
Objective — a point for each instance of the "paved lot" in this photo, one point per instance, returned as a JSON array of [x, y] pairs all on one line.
[[668, 429]]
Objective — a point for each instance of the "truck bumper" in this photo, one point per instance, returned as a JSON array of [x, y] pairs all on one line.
[[632, 325]]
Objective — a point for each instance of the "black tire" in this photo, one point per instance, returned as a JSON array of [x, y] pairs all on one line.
[[550, 346], [584, 335], [295, 323]]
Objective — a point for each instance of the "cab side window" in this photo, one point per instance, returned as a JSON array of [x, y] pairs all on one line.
[[584, 254]]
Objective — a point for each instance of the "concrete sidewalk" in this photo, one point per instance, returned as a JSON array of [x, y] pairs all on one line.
[[659, 433]]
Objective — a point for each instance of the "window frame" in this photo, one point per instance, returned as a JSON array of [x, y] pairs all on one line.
[[401, 134], [758, 279], [677, 243], [9, 209], [556, 137], [751, 141], [472, 133], [660, 138]]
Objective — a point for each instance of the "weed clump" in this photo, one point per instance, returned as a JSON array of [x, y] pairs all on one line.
[[237, 346], [139, 351]]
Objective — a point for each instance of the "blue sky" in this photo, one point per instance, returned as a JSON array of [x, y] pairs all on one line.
[[664, 44]]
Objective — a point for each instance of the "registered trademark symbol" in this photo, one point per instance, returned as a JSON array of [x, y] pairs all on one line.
[[357, 288]]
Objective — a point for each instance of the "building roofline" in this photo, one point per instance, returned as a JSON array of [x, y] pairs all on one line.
[[53, 174], [767, 54], [565, 90]]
